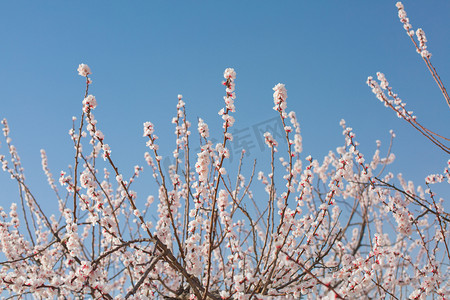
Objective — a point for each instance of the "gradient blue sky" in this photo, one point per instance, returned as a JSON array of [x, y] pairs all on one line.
[[144, 53]]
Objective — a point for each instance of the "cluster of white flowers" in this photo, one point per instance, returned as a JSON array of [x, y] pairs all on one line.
[[203, 128], [229, 73], [201, 167], [422, 43], [84, 70], [89, 103], [298, 147], [404, 19], [181, 130], [437, 178], [229, 120], [5, 128], [376, 89], [279, 98], [422, 48], [222, 152], [230, 76], [270, 140], [148, 129], [149, 132], [65, 180], [87, 179], [106, 151], [395, 102]]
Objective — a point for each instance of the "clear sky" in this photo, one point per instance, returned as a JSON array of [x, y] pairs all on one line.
[[143, 53]]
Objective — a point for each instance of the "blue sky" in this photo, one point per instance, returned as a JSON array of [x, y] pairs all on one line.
[[143, 53]]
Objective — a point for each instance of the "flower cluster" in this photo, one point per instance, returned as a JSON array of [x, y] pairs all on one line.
[[230, 76], [203, 128], [404, 19], [201, 167], [422, 43], [89, 103], [84, 70], [395, 102], [422, 48], [270, 141], [279, 98]]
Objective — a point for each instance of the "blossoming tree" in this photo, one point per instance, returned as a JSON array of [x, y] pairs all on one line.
[[340, 228]]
